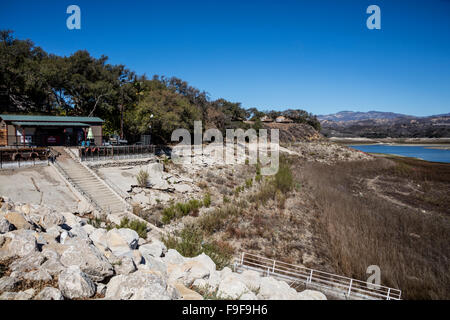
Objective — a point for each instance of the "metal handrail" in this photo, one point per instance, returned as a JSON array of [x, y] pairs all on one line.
[[74, 185], [328, 281]]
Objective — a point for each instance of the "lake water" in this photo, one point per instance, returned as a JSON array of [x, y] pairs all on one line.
[[421, 152]]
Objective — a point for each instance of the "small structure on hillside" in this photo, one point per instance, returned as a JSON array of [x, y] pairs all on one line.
[[283, 119], [266, 119], [31, 130]]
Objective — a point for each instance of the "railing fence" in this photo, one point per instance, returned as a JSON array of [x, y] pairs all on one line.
[[98, 153], [296, 275]]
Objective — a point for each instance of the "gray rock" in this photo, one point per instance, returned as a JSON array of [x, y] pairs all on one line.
[[24, 295], [29, 262], [49, 293], [272, 289], [182, 188], [79, 232], [8, 295], [140, 285], [172, 256], [251, 279], [8, 283], [23, 242], [50, 253], [89, 259], [38, 275], [311, 295], [51, 219], [154, 249], [74, 283], [98, 236], [126, 266], [248, 296], [5, 226], [18, 220], [155, 264], [120, 241], [54, 231], [101, 288], [53, 266], [84, 208], [89, 228], [231, 287], [71, 219], [63, 236]]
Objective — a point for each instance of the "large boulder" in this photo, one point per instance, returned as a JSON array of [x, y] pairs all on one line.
[[125, 266], [272, 289], [140, 285], [174, 257], [49, 293], [24, 295], [84, 208], [22, 242], [251, 279], [98, 236], [89, 259], [18, 220], [231, 287], [190, 271], [154, 264], [5, 225], [121, 241], [51, 219], [187, 294], [311, 295], [80, 232], [29, 262], [38, 275], [71, 220], [154, 249], [74, 283], [8, 283], [53, 266]]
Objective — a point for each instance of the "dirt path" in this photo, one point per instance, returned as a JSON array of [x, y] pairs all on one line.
[[372, 185]]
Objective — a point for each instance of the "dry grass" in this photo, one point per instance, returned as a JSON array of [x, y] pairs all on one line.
[[410, 247]]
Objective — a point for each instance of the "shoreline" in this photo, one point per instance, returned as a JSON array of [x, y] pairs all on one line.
[[431, 142]]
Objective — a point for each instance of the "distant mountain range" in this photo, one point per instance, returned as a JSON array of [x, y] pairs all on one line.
[[377, 124]]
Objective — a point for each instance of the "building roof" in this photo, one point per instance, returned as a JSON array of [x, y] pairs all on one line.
[[283, 119], [21, 118], [266, 119], [49, 124]]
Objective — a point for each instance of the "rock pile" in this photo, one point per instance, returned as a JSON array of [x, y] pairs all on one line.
[[46, 255]]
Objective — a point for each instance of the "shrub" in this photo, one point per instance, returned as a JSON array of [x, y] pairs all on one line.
[[180, 209], [142, 178], [96, 222], [249, 183], [190, 243], [136, 225], [207, 200], [283, 180], [215, 220], [168, 214]]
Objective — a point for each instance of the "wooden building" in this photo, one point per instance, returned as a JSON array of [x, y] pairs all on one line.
[[31, 130]]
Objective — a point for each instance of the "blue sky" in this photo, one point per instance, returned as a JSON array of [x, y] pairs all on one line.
[[315, 55]]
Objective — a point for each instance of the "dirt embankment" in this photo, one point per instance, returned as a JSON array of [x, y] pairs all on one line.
[[294, 132]]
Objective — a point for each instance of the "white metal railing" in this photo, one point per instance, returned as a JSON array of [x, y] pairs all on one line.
[[295, 275]]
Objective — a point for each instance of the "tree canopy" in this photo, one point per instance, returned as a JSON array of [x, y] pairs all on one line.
[[33, 81]]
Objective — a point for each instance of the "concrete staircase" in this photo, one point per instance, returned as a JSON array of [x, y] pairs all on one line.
[[92, 187], [96, 191]]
